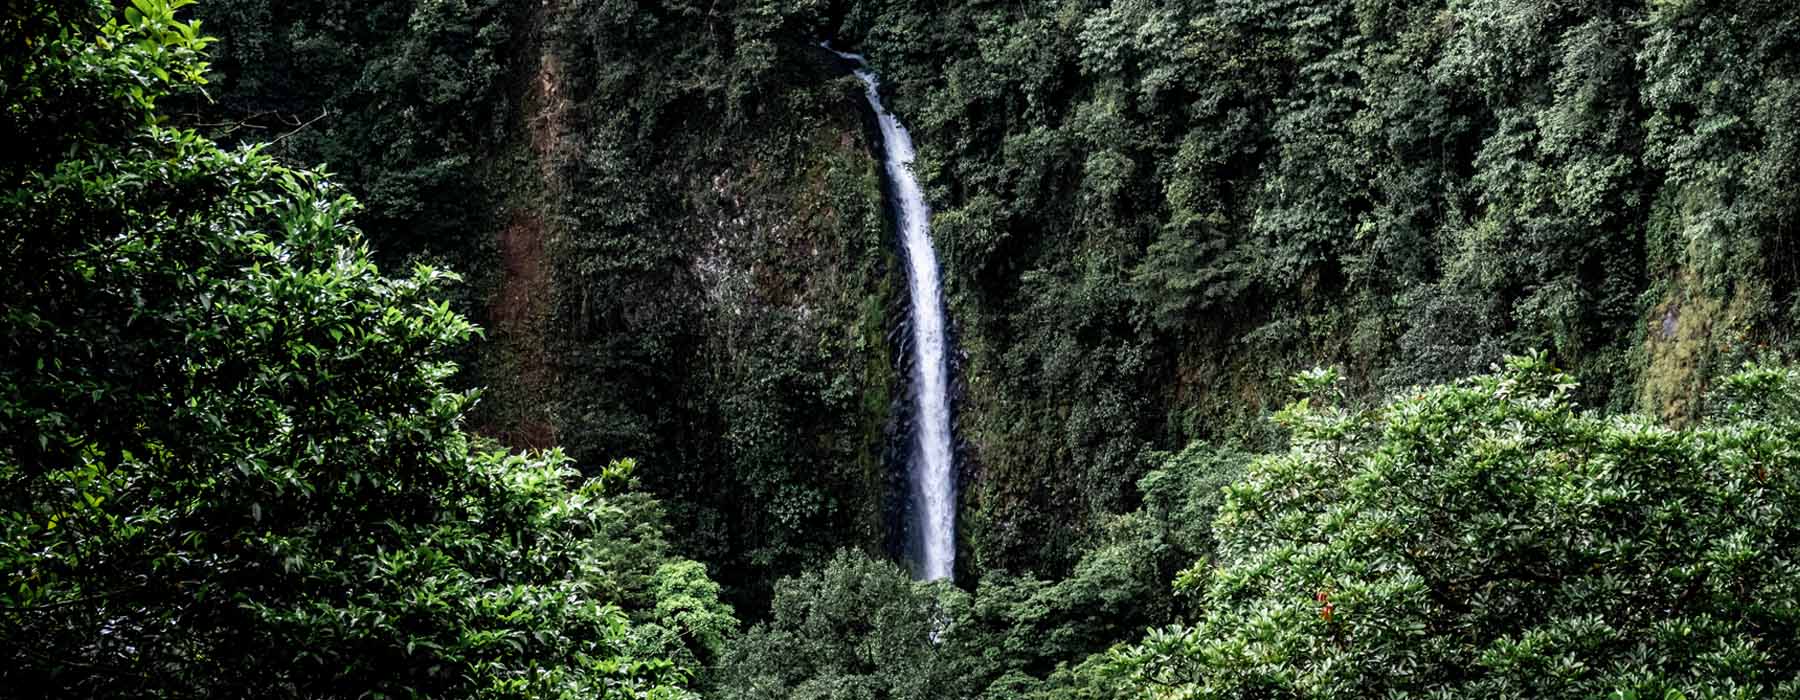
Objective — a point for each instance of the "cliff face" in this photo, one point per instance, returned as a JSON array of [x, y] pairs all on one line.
[[1153, 213], [671, 230], [700, 279], [668, 213]]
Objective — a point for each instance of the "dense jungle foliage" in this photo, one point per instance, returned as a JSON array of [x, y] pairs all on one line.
[[1485, 538], [232, 465], [1154, 211], [668, 216], [1149, 213], [240, 459]]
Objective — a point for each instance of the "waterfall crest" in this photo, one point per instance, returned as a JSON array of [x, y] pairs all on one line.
[[932, 474]]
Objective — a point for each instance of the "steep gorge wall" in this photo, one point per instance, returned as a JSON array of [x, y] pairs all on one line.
[[724, 284], [1149, 216], [1153, 213], [670, 228]]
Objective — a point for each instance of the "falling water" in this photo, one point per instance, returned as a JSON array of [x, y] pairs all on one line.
[[932, 474]]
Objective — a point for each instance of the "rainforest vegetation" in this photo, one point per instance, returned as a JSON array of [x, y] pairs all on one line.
[[1302, 348]]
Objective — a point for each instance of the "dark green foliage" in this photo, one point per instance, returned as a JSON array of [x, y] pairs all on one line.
[[859, 629], [1488, 539], [234, 462], [413, 106], [1185, 492], [1149, 214], [723, 279], [231, 463], [403, 99], [685, 175], [1153, 211], [1478, 539]]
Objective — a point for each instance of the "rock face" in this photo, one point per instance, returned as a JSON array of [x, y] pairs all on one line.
[[517, 313], [1147, 218], [671, 230], [706, 283]]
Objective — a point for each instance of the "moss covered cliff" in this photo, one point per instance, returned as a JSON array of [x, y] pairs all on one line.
[[1149, 215]]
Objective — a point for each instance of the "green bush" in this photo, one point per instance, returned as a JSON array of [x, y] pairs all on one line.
[[858, 628], [1489, 539]]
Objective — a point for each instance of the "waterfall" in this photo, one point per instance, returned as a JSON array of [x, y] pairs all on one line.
[[932, 473]]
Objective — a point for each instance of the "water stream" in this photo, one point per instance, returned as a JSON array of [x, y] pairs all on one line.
[[932, 473]]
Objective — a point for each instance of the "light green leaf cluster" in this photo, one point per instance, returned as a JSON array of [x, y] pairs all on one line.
[[1489, 539]]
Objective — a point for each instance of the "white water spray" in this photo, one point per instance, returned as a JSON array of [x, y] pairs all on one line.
[[933, 475]]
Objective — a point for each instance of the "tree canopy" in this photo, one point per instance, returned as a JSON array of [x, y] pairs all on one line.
[[231, 463], [235, 455], [1488, 538]]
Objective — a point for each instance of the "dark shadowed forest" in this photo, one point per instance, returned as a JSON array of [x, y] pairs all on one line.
[[565, 349]]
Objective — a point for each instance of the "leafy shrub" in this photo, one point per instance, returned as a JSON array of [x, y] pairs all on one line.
[[1488, 539], [231, 464], [859, 628]]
